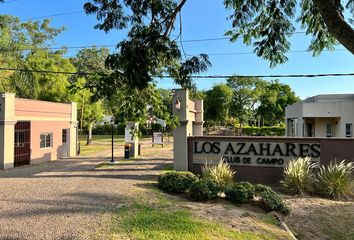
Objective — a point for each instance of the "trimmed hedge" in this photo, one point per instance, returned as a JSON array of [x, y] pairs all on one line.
[[204, 189], [176, 182], [263, 131]]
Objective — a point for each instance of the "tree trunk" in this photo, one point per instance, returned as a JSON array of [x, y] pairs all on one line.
[[89, 136], [335, 23], [82, 114]]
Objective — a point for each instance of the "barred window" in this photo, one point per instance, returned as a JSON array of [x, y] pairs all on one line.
[[19, 138]]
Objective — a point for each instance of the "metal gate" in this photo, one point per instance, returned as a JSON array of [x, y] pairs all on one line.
[[22, 143]]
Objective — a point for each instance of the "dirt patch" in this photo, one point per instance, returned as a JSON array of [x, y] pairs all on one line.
[[316, 218]]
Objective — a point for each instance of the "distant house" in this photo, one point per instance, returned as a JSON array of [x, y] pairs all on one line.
[[330, 115], [34, 131]]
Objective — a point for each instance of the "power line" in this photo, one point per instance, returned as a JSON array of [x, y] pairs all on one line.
[[45, 71], [114, 45], [52, 15], [252, 53], [197, 76], [274, 76]]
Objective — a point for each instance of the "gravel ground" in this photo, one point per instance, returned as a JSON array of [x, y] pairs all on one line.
[[70, 199]]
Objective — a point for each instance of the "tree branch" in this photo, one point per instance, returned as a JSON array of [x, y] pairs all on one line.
[[169, 24], [335, 23]]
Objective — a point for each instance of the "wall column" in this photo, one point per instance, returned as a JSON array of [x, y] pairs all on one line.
[[131, 137], [73, 131], [181, 110], [7, 130], [199, 118]]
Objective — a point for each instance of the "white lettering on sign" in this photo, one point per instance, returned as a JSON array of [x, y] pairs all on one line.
[[267, 154]]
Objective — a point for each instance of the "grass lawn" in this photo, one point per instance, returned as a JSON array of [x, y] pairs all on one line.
[[153, 215], [101, 139], [106, 139], [87, 150]]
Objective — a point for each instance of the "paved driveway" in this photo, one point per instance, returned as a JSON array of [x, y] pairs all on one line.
[[67, 199]]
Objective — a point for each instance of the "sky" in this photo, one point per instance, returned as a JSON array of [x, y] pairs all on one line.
[[201, 19]]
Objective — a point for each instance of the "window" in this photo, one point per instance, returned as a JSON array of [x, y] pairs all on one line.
[[348, 130], [46, 140], [329, 130], [63, 136], [19, 138]]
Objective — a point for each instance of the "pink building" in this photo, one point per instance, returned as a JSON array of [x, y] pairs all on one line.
[[34, 131]]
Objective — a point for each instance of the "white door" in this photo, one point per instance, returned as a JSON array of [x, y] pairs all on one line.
[[65, 142]]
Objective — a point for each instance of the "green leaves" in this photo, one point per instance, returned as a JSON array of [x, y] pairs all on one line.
[[148, 51], [336, 180], [267, 22], [220, 95], [268, 25], [273, 101], [312, 21]]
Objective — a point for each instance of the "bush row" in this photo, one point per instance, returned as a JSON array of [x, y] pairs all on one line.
[[263, 131], [202, 189], [119, 129]]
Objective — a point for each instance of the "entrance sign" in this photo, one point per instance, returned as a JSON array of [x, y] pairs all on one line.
[[261, 154], [157, 138]]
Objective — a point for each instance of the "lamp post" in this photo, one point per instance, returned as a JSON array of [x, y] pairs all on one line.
[[112, 124]]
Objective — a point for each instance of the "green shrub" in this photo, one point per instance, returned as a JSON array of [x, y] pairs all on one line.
[[270, 200], [335, 180], [241, 192], [176, 182], [204, 189], [221, 173], [261, 188], [298, 176], [263, 131]]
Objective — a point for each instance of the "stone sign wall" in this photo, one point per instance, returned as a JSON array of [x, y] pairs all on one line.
[[262, 159]]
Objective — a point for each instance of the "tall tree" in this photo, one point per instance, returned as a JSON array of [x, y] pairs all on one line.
[[246, 93], [269, 25], [25, 45], [131, 104], [273, 102], [217, 103], [149, 50], [90, 107]]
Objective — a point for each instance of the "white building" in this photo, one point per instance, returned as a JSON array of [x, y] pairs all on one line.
[[330, 115]]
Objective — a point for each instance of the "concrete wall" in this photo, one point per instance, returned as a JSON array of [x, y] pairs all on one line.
[[48, 117], [294, 112], [338, 114], [56, 150]]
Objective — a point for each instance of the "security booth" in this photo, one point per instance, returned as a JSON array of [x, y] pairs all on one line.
[[33, 131]]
